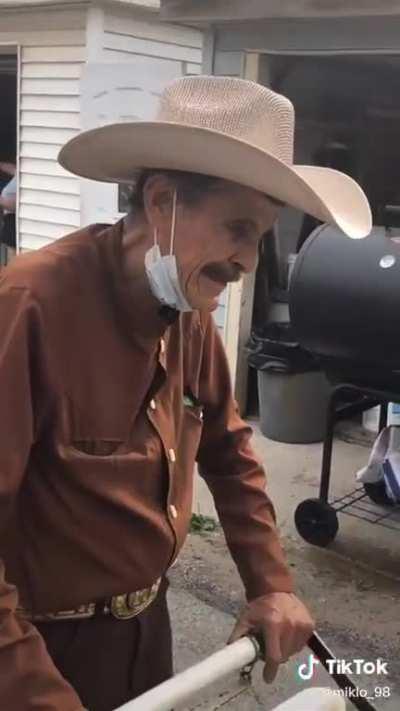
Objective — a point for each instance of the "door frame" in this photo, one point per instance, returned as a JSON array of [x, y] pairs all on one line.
[[13, 48]]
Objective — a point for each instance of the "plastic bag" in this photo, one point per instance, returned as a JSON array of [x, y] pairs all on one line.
[[384, 463]]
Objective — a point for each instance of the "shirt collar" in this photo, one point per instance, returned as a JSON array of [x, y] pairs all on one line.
[[142, 316]]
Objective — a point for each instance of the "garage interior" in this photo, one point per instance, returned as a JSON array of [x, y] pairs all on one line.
[[348, 118]]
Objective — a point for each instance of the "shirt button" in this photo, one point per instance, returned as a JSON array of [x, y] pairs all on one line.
[[171, 455], [153, 405], [173, 511], [162, 346]]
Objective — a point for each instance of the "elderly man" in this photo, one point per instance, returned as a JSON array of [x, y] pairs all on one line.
[[113, 381]]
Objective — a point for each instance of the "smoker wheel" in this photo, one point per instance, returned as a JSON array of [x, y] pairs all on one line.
[[316, 522], [377, 494]]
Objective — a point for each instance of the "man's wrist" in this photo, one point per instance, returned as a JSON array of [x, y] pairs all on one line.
[[285, 584]]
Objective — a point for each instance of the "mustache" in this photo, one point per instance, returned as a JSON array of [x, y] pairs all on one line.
[[222, 272]]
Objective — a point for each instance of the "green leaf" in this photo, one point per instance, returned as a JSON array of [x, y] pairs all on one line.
[[202, 524]]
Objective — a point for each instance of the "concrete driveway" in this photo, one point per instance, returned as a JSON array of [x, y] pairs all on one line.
[[352, 587]]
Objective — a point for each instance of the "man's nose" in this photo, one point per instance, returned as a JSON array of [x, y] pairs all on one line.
[[247, 258]]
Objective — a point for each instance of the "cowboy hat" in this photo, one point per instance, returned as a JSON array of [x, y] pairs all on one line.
[[225, 127]]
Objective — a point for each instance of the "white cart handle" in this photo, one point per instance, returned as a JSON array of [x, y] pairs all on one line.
[[182, 686], [232, 658]]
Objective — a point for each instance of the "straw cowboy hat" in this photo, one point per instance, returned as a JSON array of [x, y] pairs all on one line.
[[226, 127]]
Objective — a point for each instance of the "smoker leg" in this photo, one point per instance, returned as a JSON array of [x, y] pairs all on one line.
[[383, 416], [328, 445]]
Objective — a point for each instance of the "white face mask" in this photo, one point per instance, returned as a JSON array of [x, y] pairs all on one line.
[[162, 272]]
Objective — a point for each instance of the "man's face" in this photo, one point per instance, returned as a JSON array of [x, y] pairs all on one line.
[[216, 241]]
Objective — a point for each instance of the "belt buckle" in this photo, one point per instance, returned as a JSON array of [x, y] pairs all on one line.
[[126, 606]]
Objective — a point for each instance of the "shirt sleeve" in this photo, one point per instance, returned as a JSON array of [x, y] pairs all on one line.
[[236, 478], [10, 189], [28, 680]]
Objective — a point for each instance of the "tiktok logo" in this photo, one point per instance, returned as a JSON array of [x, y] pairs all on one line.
[[306, 671]]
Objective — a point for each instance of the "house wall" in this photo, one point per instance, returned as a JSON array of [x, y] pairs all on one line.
[[130, 35], [53, 202], [49, 114], [150, 52]]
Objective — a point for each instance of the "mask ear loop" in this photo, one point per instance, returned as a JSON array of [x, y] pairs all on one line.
[[173, 224], [155, 236]]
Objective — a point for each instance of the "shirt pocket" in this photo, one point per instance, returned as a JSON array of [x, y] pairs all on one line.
[[97, 447], [86, 434]]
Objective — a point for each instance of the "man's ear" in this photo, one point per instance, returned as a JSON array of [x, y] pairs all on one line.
[[158, 194]]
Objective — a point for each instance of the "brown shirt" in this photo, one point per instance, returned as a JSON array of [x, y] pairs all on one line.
[[102, 416]]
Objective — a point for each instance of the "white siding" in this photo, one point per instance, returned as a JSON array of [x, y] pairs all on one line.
[[55, 44], [127, 36], [34, 38], [50, 184], [29, 196], [191, 68], [53, 51], [228, 63], [47, 119], [49, 116], [148, 51]]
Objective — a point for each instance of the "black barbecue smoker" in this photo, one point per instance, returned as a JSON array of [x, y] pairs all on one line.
[[345, 309]]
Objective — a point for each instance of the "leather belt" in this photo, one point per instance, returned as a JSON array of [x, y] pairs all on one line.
[[122, 607]]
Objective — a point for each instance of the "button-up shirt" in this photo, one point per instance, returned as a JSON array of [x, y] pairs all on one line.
[[102, 417]]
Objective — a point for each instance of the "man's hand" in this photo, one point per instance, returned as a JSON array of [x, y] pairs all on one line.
[[284, 624], [9, 168]]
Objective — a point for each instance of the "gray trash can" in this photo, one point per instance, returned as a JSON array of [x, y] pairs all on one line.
[[293, 392], [293, 406]]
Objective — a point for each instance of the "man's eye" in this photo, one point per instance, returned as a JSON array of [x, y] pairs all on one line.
[[240, 231]]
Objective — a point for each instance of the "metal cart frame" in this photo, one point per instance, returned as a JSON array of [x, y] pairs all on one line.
[[316, 519]]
